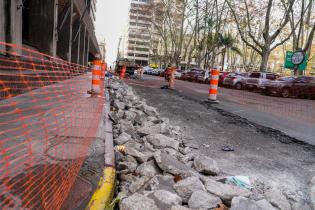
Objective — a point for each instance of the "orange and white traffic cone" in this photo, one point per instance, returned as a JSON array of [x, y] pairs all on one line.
[[214, 82], [96, 77]]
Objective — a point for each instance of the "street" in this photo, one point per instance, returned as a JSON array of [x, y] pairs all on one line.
[[294, 117], [265, 155]]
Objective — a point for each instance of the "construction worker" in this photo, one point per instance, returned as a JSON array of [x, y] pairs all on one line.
[[123, 72], [171, 71], [141, 71]]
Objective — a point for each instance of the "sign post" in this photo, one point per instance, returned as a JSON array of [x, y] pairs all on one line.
[[289, 59], [298, 58]]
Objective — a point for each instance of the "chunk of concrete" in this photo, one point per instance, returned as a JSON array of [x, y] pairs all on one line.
[[277, 199], [165, 199], [126, 167], [122, 138], [161, 141], [139, 184], [203, 200], [153, 129], [137, 202], [186, 187], [119, 105], [206, 165], [162, 182], [171, 165], [137, 151], [241, 203], [130, 116], [225, 191], [148, 169]]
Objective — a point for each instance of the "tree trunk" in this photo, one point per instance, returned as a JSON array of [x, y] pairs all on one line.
[[223, 58], [264, 61]]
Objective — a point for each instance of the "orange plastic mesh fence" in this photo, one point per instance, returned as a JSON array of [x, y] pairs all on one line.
[[47, 123]]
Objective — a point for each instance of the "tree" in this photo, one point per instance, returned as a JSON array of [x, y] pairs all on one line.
[[227, 42], [271, 29]]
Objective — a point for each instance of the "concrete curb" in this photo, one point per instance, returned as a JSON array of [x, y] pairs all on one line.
[[103, 196]]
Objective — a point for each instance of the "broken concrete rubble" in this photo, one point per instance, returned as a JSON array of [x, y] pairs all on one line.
[[160, 141], [224, 191], [165, 199], [206, 165], [161, 169], [241, 203], [203, 200], [186, 187], [137, 202], [277, 199]]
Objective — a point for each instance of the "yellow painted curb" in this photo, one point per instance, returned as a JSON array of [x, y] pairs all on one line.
[[103, 196]]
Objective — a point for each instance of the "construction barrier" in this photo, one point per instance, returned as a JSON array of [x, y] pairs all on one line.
[[96, 76], [47, 125], [214, 82]]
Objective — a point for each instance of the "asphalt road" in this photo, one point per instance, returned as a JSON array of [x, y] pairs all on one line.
[[292, 116], [267, 156]]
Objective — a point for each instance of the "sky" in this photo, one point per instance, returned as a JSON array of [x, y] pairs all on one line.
[[111, 22]]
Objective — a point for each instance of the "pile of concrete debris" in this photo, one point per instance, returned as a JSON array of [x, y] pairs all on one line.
[[158, 171]]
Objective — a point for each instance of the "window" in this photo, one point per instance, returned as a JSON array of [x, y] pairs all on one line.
[[271, 76], [255, 75]]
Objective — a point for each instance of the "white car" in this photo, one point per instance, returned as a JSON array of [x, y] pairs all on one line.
[[178, 74], [256, 80]]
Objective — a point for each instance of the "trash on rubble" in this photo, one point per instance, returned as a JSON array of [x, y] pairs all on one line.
[[206, 145], [221, 207], [228, 148], [240, 181], [120, 148]]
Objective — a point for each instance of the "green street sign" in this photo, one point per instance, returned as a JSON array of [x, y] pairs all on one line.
[[288, 62]]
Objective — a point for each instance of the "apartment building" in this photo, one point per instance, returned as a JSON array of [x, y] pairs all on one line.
[[139, 32]]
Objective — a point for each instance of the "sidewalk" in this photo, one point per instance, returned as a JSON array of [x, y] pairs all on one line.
[[45, 137]]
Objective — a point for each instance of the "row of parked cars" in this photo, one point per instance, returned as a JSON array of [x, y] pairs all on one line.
[[268, 83]]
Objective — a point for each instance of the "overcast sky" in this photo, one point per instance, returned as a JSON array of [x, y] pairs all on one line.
[[111, 21]]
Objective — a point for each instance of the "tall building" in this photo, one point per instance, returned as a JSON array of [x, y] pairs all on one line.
[[62, 28], [139, 31]]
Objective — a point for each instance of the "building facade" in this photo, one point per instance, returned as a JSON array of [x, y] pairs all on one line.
[[61, 28], [139, 32]]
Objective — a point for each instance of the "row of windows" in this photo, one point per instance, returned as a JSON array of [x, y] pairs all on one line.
[[138, 55], [140, 18], [139, 49], [139, 43], [140, 24], [139, 36]]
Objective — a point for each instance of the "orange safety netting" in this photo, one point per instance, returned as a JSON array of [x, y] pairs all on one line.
[[47, 124]]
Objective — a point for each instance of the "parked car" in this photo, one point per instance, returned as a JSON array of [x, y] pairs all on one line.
[[302, 86], [147, 69], [236, 80], [155, 72], [192, 74], [178, 73], [222, 75], [256, 80], [150, 71], [202, 76]]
